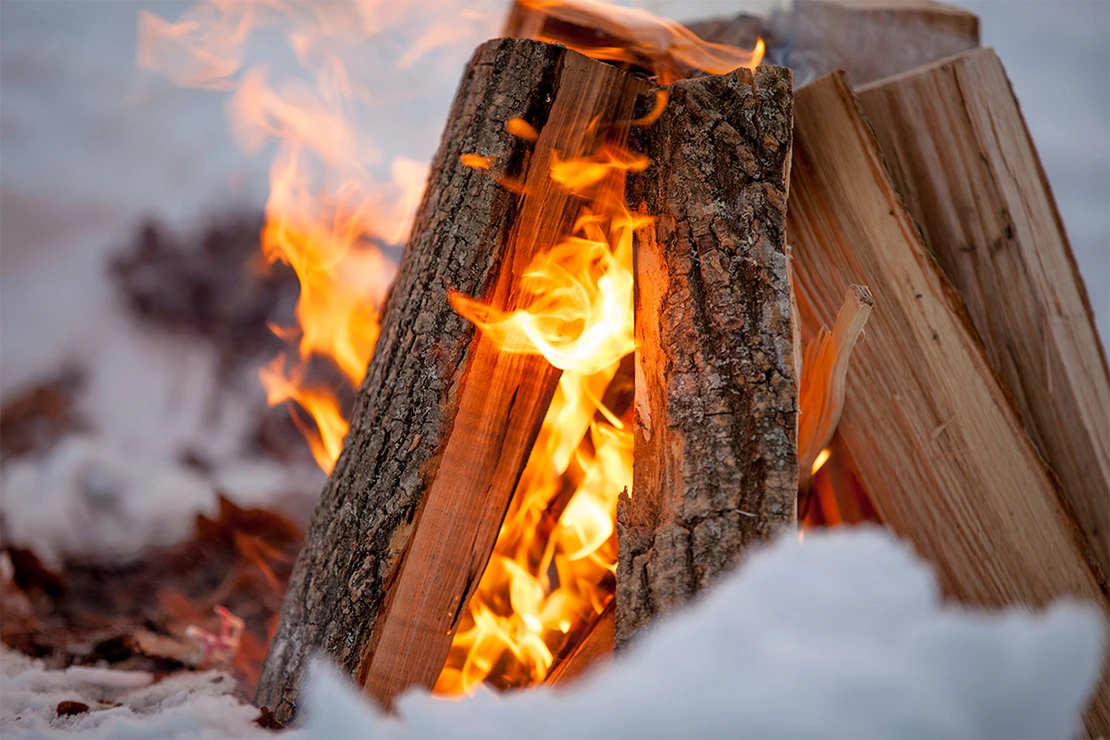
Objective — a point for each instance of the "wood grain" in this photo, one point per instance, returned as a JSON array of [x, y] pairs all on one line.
[[932, 434], [962, 158], [872, 39]]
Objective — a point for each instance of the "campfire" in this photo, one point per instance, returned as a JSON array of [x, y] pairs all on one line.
[[666, 292]]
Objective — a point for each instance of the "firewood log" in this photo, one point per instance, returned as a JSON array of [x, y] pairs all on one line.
[[961, 157], [932, 434], [444, 421], [872, 39], [716, 464]]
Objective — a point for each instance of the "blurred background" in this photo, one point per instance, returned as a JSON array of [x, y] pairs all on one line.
[[110, 175]]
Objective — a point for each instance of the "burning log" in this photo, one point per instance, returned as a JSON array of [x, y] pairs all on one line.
[[444, 421], [932, 435], [960, 155], [716, 464], [872, 39], [630, 36]]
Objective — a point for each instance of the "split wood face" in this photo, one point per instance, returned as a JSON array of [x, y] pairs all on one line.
[[716, 466], [931, 432], [961, 157]]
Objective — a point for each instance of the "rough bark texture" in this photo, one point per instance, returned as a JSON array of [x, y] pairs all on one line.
[[961, 156], [416, 396], [930, 431], [716, 384]]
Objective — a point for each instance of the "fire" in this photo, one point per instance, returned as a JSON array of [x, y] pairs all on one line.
[[553, 564], [668, 49], [330, 211], [335, 199]]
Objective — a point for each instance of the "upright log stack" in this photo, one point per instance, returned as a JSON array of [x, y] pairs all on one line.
[[930, 429]]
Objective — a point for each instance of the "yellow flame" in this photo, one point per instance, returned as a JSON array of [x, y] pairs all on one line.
[[668, 49], [557, 545], [552, 568], [822, 458], [327, 214]]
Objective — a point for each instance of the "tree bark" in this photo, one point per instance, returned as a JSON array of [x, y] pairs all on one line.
[[444, 422], [961, 157], [931, 433], [716, 465]]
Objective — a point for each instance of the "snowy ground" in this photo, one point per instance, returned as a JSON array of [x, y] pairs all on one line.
[[844, 636], [89, 146]]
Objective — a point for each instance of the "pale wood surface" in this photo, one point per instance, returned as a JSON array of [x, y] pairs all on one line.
[[444, 422], [716, 464], [962, 159], [872, 39], [932, 435]]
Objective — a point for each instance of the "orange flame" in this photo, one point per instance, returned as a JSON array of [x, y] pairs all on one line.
[[668, 49], [557, 545], [553, 564], [327, 215]]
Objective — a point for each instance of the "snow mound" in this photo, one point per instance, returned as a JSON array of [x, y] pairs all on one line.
[[842, 636]]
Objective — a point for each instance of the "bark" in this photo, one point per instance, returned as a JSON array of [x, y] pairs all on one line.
[[444, 422], [716, 465], [961, 156], [931, 433]]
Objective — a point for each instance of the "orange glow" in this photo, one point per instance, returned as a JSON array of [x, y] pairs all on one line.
[[521, 128], [557, 546], [667, 48], [327, 214], [553, 565], [822, 458]]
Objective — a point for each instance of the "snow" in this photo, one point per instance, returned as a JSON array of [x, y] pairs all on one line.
[[186, 705], [845, 635], [853, 638]]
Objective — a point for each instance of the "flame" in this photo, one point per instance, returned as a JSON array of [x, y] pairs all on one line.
[[331, 210], [668, 49], [328, 212], [552, 567]]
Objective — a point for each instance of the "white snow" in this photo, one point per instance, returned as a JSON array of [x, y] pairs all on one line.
[[185, 705], [852, 637], [843, 636]]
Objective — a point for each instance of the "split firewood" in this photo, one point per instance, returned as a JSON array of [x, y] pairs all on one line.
[[444, 421], [872, 39], [716, 465], [932, 435], [962, 158]]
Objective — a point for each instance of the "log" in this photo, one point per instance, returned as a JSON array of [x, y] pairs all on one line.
[[871, 39], [444, 422], [716, 465], [962, 158], [932, 434]]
